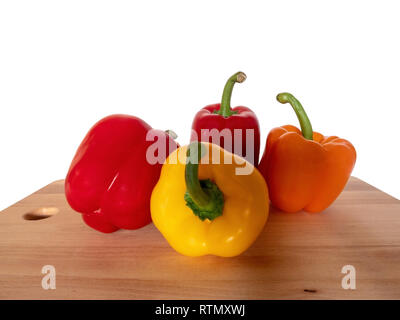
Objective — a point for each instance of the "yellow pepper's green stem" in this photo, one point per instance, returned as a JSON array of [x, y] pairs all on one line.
[[305, 124], [202, 196], [225, 108]]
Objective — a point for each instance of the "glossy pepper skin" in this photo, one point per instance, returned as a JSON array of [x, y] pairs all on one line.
[[221, 117], [207, 208], [305, 170], [110, 180]]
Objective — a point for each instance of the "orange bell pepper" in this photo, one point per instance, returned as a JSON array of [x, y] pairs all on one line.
[[305, 170]]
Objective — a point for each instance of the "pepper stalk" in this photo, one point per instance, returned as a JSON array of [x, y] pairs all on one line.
[[305, 124], [225, 108], [203, 197]]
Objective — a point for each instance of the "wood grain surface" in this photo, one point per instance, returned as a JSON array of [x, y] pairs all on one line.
[[297, 256]]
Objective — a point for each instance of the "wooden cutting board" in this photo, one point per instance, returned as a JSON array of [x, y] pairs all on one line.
[[297, 256]]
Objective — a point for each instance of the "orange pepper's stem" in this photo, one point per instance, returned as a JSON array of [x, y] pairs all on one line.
[[305, 124]]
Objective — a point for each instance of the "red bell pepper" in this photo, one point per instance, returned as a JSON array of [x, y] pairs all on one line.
[[226, 121], [110, 179]]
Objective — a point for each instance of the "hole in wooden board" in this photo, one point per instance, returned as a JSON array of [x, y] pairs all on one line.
[[41, 213], [310, 290]]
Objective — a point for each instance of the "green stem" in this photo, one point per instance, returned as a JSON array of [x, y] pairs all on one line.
[[202, 196], [225, 108], [305, 124]]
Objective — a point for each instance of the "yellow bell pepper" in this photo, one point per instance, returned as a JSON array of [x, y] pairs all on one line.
[[204, 207]]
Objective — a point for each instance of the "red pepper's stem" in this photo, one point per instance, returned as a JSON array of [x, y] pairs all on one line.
[[225, 108], [171, 133], [305, 124]]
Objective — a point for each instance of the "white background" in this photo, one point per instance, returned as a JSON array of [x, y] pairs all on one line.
[[66, 64]]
